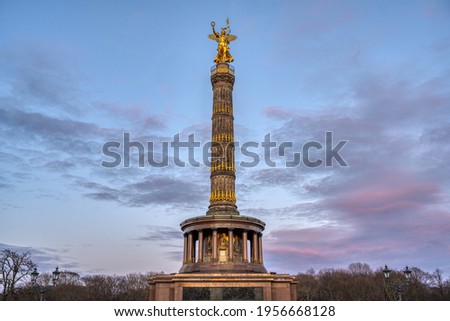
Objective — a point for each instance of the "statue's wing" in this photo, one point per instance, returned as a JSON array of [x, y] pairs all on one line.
[[231, 38], [212, 37]]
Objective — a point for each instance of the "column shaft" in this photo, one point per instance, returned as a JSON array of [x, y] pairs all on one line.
[[190, 248], [230, 245], [200, 246], [255, 248], [214, 239], [260, 249], [223, 193], [185, 249], [244, 247]]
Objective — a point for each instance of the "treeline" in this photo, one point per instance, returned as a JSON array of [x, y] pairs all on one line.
[[16, 283], [72, 287], [360, 283], [356, 283]]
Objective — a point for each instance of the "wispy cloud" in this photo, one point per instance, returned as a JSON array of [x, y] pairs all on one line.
[[161, 234], [46, 258], [150, 190]]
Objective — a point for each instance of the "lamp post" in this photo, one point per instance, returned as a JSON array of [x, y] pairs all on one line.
[[399, 287], [42, 289]]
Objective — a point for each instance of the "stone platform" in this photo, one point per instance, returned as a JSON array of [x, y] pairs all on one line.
[[223, 286]]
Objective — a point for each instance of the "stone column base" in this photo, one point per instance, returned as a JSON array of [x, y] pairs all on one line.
[[223, 286]]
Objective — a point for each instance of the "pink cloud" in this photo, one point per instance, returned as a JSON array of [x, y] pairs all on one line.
[[387, 192], [136, 112], [278, 113], [292, 250], [326, 246]]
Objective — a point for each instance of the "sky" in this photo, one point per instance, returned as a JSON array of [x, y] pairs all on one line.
[[75, 75]]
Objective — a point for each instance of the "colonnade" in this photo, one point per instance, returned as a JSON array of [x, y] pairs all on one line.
[[194, 246]]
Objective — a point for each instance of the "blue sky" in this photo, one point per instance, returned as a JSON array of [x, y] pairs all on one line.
[[77, 74]]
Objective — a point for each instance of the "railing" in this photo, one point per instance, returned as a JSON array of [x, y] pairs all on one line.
[[222, 68]]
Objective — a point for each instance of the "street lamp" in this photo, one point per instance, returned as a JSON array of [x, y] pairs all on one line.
[[42, 289], [399, 287]]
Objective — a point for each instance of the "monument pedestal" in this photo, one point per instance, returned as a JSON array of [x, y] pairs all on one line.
[[223, 287]]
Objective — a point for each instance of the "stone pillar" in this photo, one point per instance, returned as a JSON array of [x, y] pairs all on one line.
[[194, 249], [267, 293], [255, 248], [230, 244], [190, 248], [200, 246], [152, 292], [244, 247], [178, 293], [185, 255], [260, 249], [214, 239]]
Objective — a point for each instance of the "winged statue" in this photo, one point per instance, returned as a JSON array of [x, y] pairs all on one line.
[[223, 39]]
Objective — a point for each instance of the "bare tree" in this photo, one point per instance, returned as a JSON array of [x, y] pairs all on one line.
[[135, 287], [14, 267], [69, 288], [359, 269], [131, 287], [308, 286], [438, 283]]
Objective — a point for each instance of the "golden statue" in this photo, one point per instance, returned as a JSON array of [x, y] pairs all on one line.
[[223, 39]]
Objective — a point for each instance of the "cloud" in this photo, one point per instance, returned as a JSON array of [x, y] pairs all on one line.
[[150, 190], [175, 256], [276, 112], [303, 248], [417, 242], [46, 258], [390, 203], [39, 73], [162, 235], [135, 114], [389, 124], [166, 237], [60, 166], [393, 194], [49, 122], [9, 158], [308, 213], [33, 123], [274, 176]]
